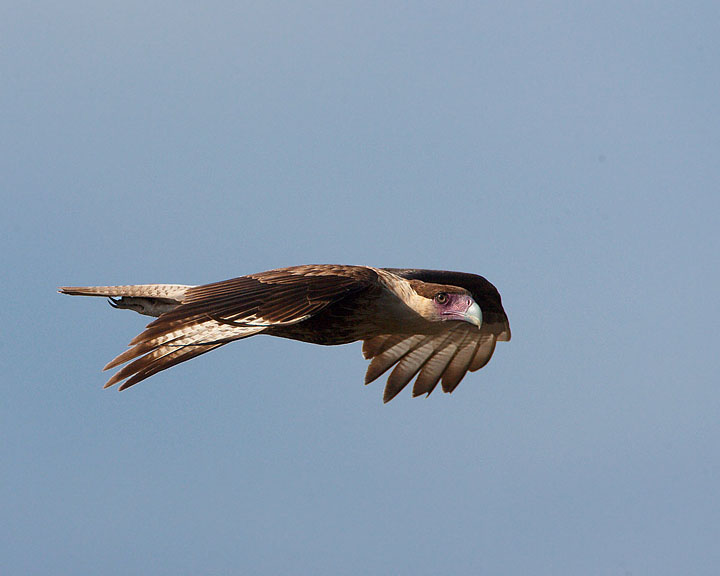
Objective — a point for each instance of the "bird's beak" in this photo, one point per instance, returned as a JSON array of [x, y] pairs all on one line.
[[473, 315]]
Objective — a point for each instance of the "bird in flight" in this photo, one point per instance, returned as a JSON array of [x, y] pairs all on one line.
[[432, 325]]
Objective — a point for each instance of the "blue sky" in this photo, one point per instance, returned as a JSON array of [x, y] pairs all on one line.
[[567, 151]]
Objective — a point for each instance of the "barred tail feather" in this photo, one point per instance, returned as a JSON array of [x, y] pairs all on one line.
[[175, 292]]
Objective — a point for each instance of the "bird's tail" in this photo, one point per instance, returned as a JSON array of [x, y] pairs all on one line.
[[174, 292], [148, 299]]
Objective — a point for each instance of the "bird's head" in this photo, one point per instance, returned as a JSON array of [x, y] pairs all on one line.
[[440, 303]]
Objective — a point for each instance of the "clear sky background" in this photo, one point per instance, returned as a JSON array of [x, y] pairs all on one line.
[[568, 151]]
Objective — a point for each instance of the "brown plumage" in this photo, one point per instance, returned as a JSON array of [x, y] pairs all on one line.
[[432, 325]]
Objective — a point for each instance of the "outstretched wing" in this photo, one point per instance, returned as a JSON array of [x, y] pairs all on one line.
[[215, 314], [447, 356]]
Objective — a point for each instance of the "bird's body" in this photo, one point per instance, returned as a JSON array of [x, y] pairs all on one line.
[[433, 324]]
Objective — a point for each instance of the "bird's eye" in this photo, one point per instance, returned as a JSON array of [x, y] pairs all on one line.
[[441, 298]]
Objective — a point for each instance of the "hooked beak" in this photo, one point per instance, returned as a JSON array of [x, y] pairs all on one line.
[[473, 315]]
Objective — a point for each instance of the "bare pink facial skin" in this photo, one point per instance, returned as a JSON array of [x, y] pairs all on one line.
[[458, 307]]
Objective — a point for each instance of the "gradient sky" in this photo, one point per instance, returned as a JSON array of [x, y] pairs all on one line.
[[568, 151]]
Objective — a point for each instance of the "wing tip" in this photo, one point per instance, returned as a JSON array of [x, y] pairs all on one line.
[[389, 395], [114, 379]]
